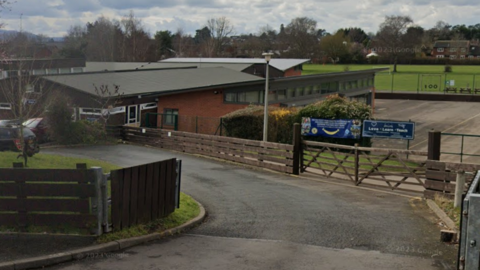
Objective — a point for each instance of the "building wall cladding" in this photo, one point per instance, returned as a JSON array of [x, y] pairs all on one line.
[[292, 72]]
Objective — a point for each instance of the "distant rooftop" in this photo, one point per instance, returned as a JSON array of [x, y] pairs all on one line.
[[280, 64], [451, 44]]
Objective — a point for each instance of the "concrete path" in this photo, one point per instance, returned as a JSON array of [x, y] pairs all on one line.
[[262, 220]]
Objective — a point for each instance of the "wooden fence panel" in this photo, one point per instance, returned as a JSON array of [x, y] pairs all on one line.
[[269, 155], [47, 197], [442, 177], [147, 192]]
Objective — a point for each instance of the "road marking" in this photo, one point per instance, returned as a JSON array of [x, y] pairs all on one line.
[[463, 122]]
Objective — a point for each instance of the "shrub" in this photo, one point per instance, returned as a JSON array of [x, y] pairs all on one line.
[[336, 107], [248, 123], [448, 68]]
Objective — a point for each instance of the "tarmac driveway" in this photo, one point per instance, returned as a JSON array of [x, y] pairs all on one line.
[[264, 220]]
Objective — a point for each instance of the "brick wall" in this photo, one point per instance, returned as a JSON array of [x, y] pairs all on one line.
[[203, 103], [292, 72]]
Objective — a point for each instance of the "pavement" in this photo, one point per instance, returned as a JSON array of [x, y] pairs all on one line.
[[264, 220]]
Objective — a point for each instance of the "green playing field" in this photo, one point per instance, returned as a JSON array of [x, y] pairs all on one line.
[[410, 77]]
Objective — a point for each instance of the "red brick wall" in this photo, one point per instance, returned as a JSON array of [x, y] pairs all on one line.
[[202, 103], [292, 72]]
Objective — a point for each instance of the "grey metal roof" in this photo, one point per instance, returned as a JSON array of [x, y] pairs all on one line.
[[155, 81], [115, 66], [280, 64], [451, 44]]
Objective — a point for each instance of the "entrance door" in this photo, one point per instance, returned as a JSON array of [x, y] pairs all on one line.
[[132, 114]]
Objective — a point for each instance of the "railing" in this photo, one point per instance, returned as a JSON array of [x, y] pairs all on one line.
[[462, 145], [469, 246]]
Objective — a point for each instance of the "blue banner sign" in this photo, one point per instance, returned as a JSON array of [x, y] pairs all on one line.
[[389, 129], [340, 128]]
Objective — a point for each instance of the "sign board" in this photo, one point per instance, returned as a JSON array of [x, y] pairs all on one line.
[[450, 83], [389, 129], [339, 128]]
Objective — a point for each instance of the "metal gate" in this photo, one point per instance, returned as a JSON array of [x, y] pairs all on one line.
[[469, 249]]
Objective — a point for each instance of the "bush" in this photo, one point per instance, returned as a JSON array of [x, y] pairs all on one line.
[[448, 68], [336, 107], [63, 130], [248, 123]]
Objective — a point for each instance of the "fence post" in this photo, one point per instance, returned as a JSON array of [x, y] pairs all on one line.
[[434, 143], [97, 203], [459, 186], [297, 145], [357, 164], [221, 126]]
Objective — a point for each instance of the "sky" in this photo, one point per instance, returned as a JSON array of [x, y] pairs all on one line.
[[54, 17]]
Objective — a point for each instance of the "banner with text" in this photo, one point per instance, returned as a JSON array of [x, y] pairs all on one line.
[[389, 129], [339, 128]]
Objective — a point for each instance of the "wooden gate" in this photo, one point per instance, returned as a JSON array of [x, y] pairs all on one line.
[[388, 168], [143, 193]]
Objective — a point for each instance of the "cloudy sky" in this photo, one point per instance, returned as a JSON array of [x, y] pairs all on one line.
[[54, 17]]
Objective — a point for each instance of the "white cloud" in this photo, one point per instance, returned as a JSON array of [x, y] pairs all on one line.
[[54, 17]]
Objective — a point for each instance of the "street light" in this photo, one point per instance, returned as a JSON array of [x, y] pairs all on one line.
[[268, 57]]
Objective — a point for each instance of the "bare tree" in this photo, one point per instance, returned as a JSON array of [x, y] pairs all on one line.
[[220, 29], [391, 37], [107, 100], [300, 36], [136, 40]]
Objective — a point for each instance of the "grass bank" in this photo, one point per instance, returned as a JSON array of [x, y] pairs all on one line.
[[188, 210]]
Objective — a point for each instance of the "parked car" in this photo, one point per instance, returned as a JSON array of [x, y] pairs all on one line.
[[10, 140], [10, 122], [39, 127]]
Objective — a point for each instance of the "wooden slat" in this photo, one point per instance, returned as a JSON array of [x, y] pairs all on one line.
[[162, 189], [155, 190], [134, 194], [50, 205], [374, 178], [441, 176], [142, 194], [435, 165], [462, 167], [149, 192], [47, 175], [48, 190], [117, 202], [168, 187], [441, 186], [126, 198], [79, 221]]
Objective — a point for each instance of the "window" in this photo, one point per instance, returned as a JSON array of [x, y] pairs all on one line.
[[462, 56], [39, 72], [29, 88], [300, 91], [5, 106], [12, 73], [308, 90], [90, 111], [116, 110], [245, 97], [453, 49], [77, 70], [52, 71], [439, 49], [291, 92], [147, 106], [64, 70], [316, 89], [440, 56], [463, 50], [169, 116], [281, 94], [471, 56], [453, 56]]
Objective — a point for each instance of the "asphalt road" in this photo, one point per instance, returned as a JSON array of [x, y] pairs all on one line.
[[264, 220]]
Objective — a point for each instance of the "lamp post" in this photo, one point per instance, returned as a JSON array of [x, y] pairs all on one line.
[[268, 56]]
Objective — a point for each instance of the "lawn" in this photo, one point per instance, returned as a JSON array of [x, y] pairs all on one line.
[[421, 78], [46, 161]]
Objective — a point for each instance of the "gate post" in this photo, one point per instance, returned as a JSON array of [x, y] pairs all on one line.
[[97, 203], [357, 164], [297, 146], [434, 143]]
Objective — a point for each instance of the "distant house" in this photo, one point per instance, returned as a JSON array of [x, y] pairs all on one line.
[[453, 49]]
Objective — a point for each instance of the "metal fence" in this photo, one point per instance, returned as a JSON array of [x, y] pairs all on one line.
[[427, 83], [469, 246], [451, 141]]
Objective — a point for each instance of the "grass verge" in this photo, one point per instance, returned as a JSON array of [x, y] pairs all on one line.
[[46, 161], [188, 210], [447, 206]]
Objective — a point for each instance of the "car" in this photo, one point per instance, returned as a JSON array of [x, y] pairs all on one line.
[[39, 127], [10, 122], [10, 140]]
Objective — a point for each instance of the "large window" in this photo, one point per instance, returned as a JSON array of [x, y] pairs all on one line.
[[244, 97], [169, 116], [439, 49], [5, 106]]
